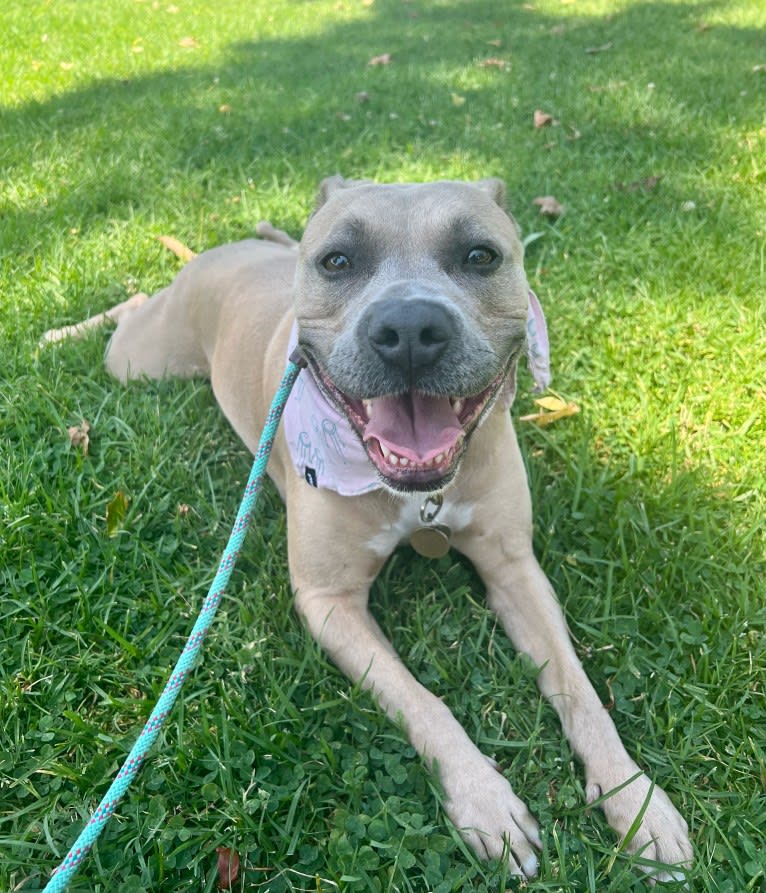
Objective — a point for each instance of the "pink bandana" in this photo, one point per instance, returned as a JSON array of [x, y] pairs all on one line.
[[324, 447]]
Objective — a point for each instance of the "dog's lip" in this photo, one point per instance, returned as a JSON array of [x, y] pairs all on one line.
[[398, 471]]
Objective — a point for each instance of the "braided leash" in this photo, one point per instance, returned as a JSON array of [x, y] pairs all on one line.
[[84, 843]]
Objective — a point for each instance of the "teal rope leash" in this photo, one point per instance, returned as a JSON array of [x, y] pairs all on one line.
[[84, 843]]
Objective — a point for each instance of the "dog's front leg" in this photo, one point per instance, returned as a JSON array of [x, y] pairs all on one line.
[[331, 569], [520, 594]]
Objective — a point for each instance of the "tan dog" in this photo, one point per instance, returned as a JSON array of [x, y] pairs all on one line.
[[411, 307]]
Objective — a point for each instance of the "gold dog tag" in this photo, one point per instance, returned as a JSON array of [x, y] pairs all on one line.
[[432, 541]]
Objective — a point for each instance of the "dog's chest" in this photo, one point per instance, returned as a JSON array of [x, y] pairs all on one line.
[[452, 514]]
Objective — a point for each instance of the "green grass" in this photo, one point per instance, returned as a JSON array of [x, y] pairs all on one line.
[[649, 505]]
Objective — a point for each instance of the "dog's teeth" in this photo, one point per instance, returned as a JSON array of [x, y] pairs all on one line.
[[439, 459], [384, 449], [393, 459], [367, 406], [458, 405], [403, 461]]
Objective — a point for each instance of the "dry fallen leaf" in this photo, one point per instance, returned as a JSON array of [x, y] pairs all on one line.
[[178, 248], [78, 436], [224, 109], [553, 409], [542, 119], [495, 43], [228, 867], [189, 43], [382, 59], [494, 62], [457, 99], [66, 66], [549, 205], [591, 51]]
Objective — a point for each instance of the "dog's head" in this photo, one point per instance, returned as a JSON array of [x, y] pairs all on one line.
[[411, 303]]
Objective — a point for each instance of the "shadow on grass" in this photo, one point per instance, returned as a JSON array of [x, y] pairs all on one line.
[[295, 116]]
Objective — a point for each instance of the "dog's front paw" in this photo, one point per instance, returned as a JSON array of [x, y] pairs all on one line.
[[663, 835], [491, 818]]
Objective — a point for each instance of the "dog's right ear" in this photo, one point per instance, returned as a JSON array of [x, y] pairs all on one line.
[[495, 189], [331, 185]]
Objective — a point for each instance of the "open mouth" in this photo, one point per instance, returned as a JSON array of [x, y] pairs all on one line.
[[414, 440]]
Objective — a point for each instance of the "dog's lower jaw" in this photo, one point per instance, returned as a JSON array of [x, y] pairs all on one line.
[[401, 473]]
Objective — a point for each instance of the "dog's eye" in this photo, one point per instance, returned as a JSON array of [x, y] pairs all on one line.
[[336, 262], [481, 256]]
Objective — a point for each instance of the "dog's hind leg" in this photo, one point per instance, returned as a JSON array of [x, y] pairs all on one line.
[[114, 314], [158, 340]]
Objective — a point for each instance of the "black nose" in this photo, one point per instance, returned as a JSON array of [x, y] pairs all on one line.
[[409, 334]]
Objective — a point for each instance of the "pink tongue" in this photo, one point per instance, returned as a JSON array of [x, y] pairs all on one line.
[[413, 425]]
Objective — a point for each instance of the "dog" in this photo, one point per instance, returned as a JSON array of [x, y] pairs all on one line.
[[410, 306]]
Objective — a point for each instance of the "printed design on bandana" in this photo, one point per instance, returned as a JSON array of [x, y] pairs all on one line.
[[326, 450]]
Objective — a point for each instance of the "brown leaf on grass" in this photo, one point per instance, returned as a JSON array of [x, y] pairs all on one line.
[[592, 51], [228, 867], [549, 205], [189, 43], [78, 436], [497, 43], [553, 409], [178, 248], [494, 62], [542, 119], [382, 59]]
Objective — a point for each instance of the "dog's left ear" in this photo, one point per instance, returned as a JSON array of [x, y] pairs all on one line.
[[495, 189], [333, 184]]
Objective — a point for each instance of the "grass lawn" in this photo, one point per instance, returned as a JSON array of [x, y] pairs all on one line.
[[126, 119]]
